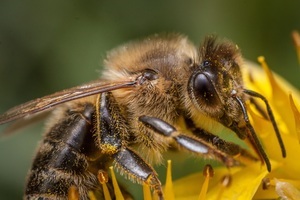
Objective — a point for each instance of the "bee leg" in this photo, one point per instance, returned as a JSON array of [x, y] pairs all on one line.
[[135, 167], [209, 145], [229, 148], [110, 142]]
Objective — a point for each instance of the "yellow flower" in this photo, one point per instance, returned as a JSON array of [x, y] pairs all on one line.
[[254, 181]]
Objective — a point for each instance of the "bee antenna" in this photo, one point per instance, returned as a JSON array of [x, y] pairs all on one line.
[[271, 117], [253, 137]]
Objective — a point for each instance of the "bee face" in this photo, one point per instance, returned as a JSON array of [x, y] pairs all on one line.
[[216, 79], [134, 113]]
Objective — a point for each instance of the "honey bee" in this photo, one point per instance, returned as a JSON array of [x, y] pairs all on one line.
[[154, 94]]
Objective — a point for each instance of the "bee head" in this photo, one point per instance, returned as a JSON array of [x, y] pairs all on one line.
[[216, 78]]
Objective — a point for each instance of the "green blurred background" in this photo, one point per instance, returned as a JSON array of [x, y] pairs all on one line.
[[46, 46]]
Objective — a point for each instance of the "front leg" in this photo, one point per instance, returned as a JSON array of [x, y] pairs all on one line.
[[206, 144]]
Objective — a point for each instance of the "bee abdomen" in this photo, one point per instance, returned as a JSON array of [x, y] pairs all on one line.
[[60, 161]]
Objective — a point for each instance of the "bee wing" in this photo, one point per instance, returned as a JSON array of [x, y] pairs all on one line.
[[49, 101]]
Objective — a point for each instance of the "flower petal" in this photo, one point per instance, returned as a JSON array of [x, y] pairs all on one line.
[[244, 183]]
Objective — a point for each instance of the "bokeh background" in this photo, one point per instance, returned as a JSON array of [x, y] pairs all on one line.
[[46, 46]]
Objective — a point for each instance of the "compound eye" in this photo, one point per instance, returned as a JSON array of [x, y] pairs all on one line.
[[204, 90]]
